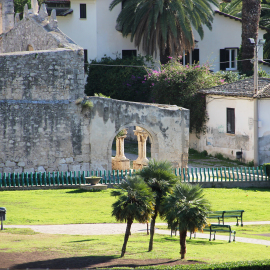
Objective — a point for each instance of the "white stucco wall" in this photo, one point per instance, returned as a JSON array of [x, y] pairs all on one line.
[[225, 33], [97, 32], [216, 139], [98, 35], [264, 130]]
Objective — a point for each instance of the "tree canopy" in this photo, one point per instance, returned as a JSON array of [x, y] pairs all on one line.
[[164, 25]]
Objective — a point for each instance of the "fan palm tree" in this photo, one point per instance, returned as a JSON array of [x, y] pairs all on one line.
[[135, 202], [164, 24], [160, 177], [187, 209]]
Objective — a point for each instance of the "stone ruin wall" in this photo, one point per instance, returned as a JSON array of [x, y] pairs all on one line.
[[41, 126], [42, 75]]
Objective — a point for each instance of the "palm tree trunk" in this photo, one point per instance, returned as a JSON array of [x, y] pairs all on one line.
[[251, 10], [129, 223], [183, 247], [152, 230]]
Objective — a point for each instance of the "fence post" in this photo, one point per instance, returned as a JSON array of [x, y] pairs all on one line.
[[13, 180], [5, 179]]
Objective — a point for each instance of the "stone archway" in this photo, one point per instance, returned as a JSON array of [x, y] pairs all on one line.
[[167, 126]]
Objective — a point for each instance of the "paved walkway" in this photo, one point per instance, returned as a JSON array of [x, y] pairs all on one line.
[[119, 228]]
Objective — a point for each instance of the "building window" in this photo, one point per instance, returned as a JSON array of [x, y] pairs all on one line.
[[230, 121], [85, 60], [228, 59], [129, 53], [83, 11], [192, 58]]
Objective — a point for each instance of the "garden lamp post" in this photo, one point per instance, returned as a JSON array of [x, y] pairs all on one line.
[[256, 142]]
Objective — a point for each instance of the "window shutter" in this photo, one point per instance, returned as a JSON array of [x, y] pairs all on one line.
[[230, 121], [83, 11], [195, 56], [224, 57]]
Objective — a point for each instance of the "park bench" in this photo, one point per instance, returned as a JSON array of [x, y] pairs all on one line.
[[213, 228], [221, 215], [2, 216]]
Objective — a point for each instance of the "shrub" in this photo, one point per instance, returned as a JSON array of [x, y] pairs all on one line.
[[179, 85], [266, 168], [123, 79]]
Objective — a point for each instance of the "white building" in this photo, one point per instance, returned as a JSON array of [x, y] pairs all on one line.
[[231, 127], [91, 25]]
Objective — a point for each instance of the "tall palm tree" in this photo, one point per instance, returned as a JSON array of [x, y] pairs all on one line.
[[164, 24], [251, 10], [187, 209], [135, 202], [160, 177]]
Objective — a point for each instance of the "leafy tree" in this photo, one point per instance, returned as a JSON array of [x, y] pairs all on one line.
[[185, 208], [164, 25], [179, 85], [135, 202], [160, 178], [19, 5], [123, 79]]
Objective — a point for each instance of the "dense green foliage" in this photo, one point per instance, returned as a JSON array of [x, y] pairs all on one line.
[[173, 84], [162, 24], [159, 176], [178, 84], [266, 167], [185, 208], [134, 200], [119, 78], [19, 5]]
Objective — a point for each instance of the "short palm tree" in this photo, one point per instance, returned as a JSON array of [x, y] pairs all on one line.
[[163, 24], [160, 177], [135, 202], [186, 209]]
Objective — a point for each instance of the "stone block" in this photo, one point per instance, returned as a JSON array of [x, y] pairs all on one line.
[[75, 168], [85, 167], [21, 164], [10, 164], [19, 170], [63, 168], [40, 169], [29, 170], [69, 160]]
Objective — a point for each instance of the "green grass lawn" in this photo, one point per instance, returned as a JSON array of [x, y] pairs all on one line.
[[67, 206], [20, 240]]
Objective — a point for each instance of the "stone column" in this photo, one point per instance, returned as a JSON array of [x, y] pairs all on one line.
[[142, 160], [120, 162]]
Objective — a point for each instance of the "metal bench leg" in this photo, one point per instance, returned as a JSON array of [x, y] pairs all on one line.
[[2, 227], [230, 238]]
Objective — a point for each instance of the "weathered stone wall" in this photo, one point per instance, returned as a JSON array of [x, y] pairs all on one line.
[[42, 75], [42, 136], [167, 126]]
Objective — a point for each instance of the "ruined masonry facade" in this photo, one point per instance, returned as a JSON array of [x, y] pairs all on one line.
[[43, 125]]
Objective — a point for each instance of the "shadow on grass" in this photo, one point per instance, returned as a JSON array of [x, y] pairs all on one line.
[[94, 262], [83, 191], [65, 263]]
